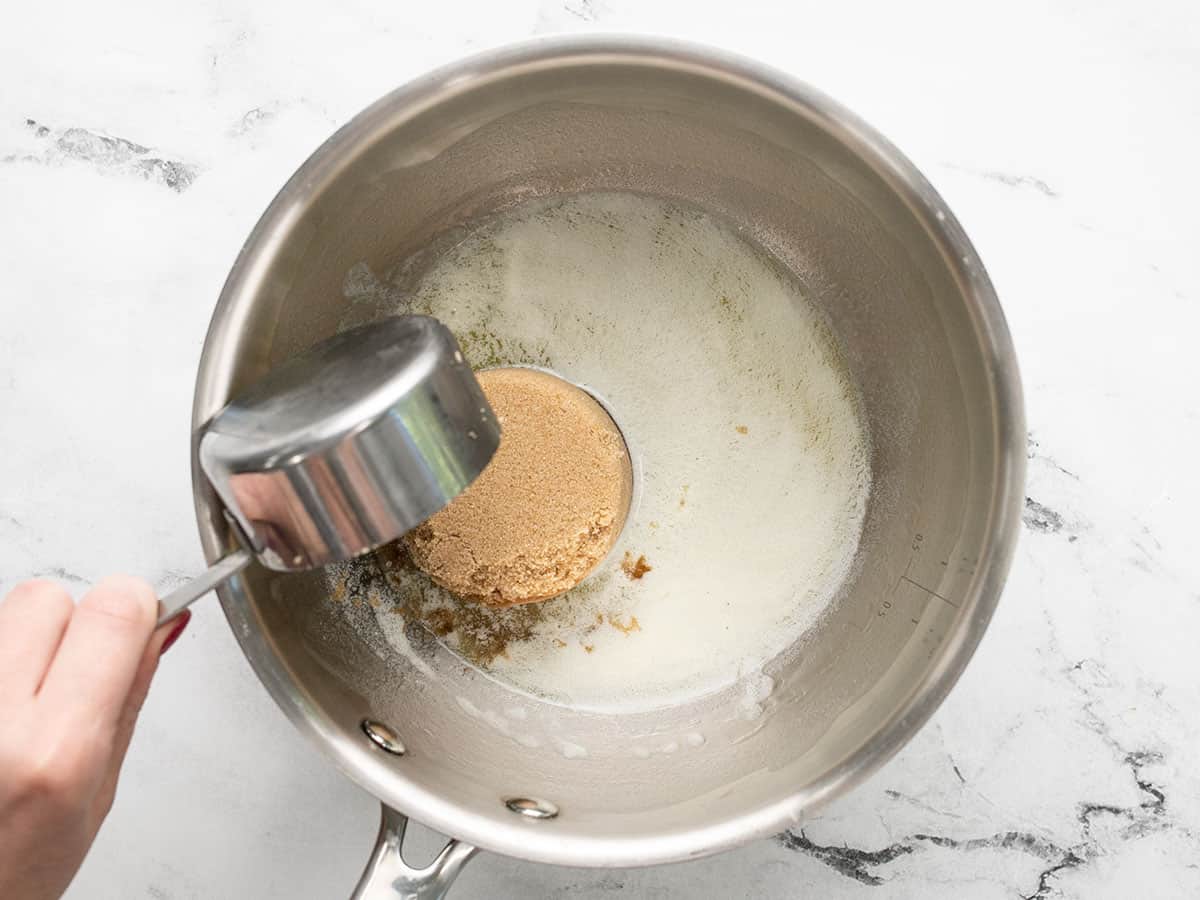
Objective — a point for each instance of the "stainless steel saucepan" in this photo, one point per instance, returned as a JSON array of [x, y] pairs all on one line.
[[924, 338]]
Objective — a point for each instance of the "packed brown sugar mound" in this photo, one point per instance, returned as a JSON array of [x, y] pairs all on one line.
[[548, 507]]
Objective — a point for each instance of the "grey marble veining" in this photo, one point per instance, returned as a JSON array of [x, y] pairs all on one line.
[[138, 144]]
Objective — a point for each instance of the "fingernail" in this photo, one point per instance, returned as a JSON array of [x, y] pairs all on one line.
[[181, 623]]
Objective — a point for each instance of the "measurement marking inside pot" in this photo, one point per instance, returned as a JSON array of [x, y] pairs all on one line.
[[928, 591]]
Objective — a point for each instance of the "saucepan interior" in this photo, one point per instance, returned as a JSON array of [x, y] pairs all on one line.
[[922, 335]]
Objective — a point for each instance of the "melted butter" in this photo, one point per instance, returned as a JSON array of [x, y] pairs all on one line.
[[743, 421]]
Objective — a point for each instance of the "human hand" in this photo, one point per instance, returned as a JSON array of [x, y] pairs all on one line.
[[72, 681]]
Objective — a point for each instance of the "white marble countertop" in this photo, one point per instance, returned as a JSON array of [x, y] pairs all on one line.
[[140, 141]]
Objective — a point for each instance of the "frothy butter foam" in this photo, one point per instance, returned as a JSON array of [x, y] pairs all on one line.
[[751, 458]]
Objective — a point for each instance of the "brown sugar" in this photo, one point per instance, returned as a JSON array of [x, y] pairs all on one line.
[[548, 507], [635, 568]]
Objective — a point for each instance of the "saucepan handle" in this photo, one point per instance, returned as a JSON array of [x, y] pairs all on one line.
[[388, 877]]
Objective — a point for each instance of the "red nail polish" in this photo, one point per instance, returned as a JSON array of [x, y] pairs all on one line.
[[180, 624]]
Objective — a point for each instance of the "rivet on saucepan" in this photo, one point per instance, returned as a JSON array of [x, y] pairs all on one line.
[[532, 809], [383, 737]]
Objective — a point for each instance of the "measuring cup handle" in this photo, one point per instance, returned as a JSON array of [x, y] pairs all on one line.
[[185, 595]]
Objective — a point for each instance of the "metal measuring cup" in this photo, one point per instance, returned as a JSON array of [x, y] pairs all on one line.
[[344, 448]]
